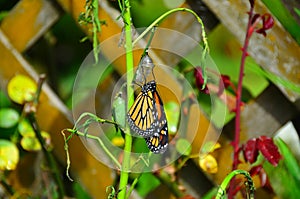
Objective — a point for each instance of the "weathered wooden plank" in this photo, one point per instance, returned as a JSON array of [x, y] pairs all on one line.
[[264, 115], [28, 21], [277, 52]]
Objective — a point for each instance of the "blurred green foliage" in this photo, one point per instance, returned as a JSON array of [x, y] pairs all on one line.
[[285, 17], [285, 178]]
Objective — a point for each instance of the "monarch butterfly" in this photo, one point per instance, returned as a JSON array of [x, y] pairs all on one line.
[[147, 118]]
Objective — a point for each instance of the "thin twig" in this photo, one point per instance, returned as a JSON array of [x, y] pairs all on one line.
[[203, 35], [30, 112], [133, 185], [236, 142], [7, 187]]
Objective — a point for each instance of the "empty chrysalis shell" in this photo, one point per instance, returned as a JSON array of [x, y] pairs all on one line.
[[144, 69]]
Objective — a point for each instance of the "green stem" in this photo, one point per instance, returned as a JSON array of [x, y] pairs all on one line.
[[96, 28], [250, 185], [93, 118], [204, 38], [149, 41], [166, 14], [133, 185], [96, 15], [129, 68]]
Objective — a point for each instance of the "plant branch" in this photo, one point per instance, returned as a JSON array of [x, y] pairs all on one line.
[[133, 185], [239, 94], [10, 190], [66, 148], [129, 68], [236, 142], [149, 41], [96, 28], [30, 110], [93, 118], [203, 35], [166, 14]]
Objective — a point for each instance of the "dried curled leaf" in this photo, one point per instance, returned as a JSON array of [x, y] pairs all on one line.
[[250, 151]]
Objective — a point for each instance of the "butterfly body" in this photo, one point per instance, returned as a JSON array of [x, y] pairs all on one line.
[[147, 118]]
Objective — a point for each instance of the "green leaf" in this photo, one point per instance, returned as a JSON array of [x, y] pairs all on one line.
[[8, 117], [139, 145], [183, 146], [4, 101], [3, 14], [9, 155], [290, 161], [147, 183], [80, 192], [285, 17], [297, 11], [285, 177]]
